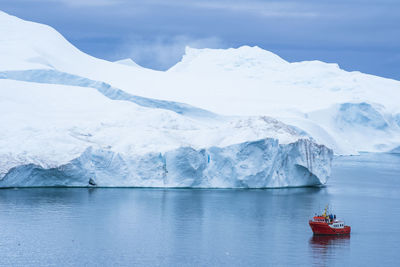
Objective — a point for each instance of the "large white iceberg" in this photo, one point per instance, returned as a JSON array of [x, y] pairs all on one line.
[[219, 118]]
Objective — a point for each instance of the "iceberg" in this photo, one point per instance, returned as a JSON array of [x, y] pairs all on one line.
[[221, 118]]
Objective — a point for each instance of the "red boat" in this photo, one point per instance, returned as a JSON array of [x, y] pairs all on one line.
[[327, 224]]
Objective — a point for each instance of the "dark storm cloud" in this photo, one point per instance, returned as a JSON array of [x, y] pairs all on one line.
[[359, 35]]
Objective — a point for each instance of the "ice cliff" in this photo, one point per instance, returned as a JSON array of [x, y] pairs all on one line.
[[256, 164]]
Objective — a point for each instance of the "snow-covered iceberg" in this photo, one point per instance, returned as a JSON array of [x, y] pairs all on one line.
[[219, 118]]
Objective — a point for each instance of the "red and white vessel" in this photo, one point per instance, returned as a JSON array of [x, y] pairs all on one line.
[[327, 224]]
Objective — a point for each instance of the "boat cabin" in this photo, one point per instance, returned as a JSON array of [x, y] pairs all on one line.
[[337, 224], [319, 219]]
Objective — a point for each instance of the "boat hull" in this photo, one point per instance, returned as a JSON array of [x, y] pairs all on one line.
[[322, 228]]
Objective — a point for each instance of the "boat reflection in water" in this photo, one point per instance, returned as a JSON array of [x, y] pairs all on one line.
[[325, 248]]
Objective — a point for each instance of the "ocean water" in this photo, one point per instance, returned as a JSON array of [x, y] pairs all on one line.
[[183, 227]]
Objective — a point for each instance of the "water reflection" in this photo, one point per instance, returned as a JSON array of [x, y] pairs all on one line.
[[326, 248]]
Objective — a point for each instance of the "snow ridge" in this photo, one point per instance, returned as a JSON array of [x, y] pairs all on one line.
[[50, 76]]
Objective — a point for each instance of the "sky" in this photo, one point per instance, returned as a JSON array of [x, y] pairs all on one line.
[[357, 34]]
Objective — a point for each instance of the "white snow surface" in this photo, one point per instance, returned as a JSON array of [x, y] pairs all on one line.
[[128, 62], [61, 108]]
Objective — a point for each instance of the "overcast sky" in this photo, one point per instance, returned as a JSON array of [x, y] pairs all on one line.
[[357, 34]]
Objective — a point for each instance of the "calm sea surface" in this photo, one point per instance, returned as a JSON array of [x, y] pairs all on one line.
[[183, 227]]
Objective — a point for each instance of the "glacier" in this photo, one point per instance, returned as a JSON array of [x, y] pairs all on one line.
[[221, 118]]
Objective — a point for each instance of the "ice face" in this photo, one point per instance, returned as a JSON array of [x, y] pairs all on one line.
[[396, 150], [258, 164], [360, 114], [397, 119]]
